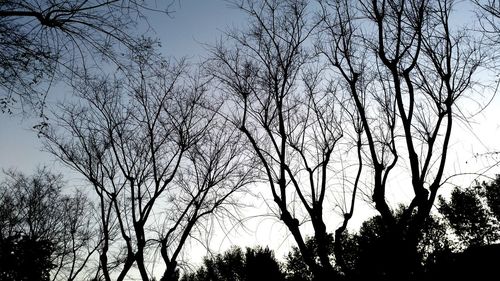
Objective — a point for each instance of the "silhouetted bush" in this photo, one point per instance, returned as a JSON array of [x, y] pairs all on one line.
[[255, 264], [469, 218], [23, 258], [42, 229], [376, 252], [475, 263]]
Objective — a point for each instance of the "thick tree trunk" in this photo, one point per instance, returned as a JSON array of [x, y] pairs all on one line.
[[170, 273], [338, 251], [322, 246], [403, 260], [139, 256], [140, 264], [103, 257], [307, 254]]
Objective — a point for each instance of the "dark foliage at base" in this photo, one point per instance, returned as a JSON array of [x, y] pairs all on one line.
[[252, 265], [25, 259], [458, 243]]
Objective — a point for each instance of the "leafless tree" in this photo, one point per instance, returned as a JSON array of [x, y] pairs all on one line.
[[42, 41], [151, 149], [217, 167], [489, 19], [79, 239], [407, 69], [291, 117]]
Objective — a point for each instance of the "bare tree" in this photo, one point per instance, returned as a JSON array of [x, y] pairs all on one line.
[[291, 118], [80, 239], [489, 19], [407, 89], [129, 141], [132, 138], [217, 167], [43, 41]]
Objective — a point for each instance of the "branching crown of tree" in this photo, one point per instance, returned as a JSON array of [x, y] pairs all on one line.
[[44, 41]]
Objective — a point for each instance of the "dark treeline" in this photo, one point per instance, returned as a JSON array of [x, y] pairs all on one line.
[[460, 241], [311, 108], [51, 235]]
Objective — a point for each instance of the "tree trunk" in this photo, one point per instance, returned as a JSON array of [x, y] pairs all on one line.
[[170, 273], [402, 259], [139, 255], [139, 258], [338, 251], [307, 254], [322, 246]]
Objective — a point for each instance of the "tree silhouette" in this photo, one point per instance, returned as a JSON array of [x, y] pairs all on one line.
[[42, 41], [407, 68], [296, 268], [25, 258], [127, 139], [292, 118], [367, 250], [235, 265], [44, 234], [398, 72], [491, 191], [159, 159], [472, 213], [469, 218]]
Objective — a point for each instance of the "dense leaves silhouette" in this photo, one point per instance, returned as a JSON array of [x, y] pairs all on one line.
[[469, 218], [42, 230], [374, 245], [253, 264], [473, 213], [25, 258]]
